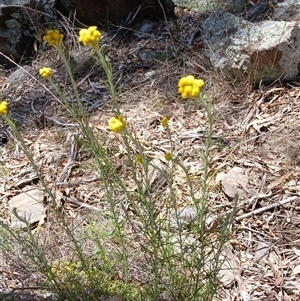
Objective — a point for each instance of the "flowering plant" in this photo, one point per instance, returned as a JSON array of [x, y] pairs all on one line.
[[116, 124], [53, 37], [164, 121], [45, 72], [188, 86], [3, 107], [90, 37]]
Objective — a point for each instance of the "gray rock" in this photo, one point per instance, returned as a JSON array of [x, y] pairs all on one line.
[[28, 206], [235, 183], [184, 217], [18, 76], [237, 5], [262, 51], [288, 10], [20, 25]]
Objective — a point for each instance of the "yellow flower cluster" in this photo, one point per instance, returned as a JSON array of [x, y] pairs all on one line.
[[116, 124], [3, 107], [90, 37], [188, 86], [164, 121], [139, 159], [168, 156], [45, 72], [54, 37]]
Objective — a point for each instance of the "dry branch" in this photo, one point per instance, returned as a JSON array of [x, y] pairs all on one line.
[[266, 208]]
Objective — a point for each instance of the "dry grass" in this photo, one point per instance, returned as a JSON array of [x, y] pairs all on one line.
[[256, 129]]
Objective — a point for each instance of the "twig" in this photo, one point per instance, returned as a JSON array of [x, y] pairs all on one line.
[[266, 208], [22, 289], [197, 135], [60, 123], [193, 36], [64, 175], [81, 204], [127, 22]]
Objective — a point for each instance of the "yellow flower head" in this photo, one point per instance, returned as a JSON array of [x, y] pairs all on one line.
[[139, 159], [116, 124], [45, 72], [90, 37], [3, 107], [164, 121], [54, 37], [168, 156], [188, 86]]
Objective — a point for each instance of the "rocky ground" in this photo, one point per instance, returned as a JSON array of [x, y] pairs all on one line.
[[255, 149]]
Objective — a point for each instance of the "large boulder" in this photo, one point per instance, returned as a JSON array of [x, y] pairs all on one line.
[[20, 22], [118, 12], [288, 10], [264, 51]]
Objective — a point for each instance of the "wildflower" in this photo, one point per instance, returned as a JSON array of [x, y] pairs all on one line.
[[168, 156], [164, 121], [3, 107], [90, 37], [45, 72], [54, 37], [189, 86], [139, 159], [116, 124]]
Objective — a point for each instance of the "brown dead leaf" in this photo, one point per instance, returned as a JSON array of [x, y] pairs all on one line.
[[281, 180]]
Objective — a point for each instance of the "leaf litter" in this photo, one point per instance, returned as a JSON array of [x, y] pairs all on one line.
[[256, 136]]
